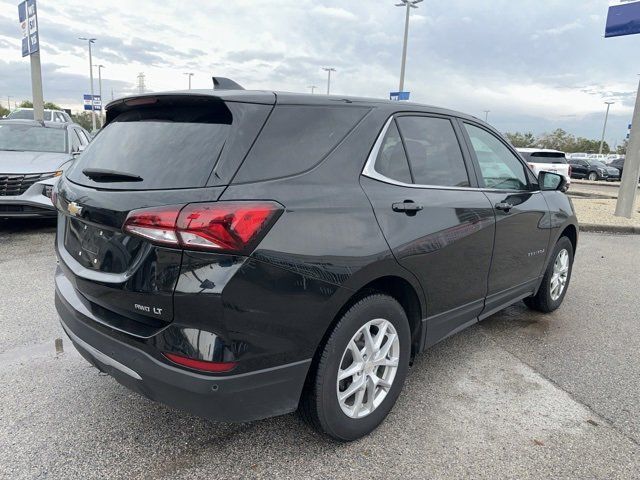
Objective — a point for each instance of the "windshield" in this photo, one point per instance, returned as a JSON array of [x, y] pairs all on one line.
[[32, 138], [28, 115], [598, 164]]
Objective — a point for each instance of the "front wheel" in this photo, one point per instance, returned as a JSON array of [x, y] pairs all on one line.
[[593, 176], [360, 371], [556, 279]]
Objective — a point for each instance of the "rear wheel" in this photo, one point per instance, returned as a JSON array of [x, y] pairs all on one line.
[[360, 371], [556, 279], [593, 176]]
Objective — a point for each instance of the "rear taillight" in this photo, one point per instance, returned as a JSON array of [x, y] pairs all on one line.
[[223, 226], [201, 365], [569, 170]]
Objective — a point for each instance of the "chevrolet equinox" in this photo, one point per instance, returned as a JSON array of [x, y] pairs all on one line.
[[243, 254]]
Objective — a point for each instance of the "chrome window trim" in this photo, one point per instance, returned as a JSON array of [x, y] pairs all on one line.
[[369, 171]]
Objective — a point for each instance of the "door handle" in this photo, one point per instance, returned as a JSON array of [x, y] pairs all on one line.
[[408, 206], [504, 206]]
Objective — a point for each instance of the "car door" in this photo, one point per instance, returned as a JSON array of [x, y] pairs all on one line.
[[438, 224], [522, 229], [580, 168]]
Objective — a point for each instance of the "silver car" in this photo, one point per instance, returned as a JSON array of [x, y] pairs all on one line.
[[32, 156]]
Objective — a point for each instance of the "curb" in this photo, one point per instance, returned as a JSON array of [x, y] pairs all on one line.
[[599, 228]]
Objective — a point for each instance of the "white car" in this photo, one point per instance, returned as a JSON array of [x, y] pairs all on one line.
[[543, 159], [49, 115]]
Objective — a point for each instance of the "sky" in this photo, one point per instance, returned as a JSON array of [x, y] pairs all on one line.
[[536, 65]]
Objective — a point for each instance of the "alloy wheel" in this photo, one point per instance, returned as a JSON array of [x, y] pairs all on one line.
[[367, 368], [560, 274]]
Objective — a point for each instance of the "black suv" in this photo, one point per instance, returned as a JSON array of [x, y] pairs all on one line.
[[242, 254]]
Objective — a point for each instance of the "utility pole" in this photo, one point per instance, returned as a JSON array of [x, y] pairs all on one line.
[[604, 128], [329, 70], [93, 112], [486, 115], [408, 4], [312, 87], [631, 171], [141, 85], [9, 102], [100, 67], [189, 74]]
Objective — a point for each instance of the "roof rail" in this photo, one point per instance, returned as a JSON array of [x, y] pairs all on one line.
[[223, 83]]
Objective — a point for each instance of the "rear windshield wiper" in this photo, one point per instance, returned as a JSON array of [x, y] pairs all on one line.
[[104, 175]]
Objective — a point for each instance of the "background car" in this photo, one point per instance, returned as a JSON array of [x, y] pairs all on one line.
[[49, 115], [32, 156], [542, 159], [592, 170]]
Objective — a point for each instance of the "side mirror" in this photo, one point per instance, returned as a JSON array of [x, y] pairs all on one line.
[[79, 150], [551, 181]]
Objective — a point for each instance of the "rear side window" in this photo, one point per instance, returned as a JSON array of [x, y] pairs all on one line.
[[297, 138], [547, 157], [392, 160], [169, 147], [434, 152]]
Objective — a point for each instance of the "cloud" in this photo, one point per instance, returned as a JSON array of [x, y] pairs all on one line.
[[334, 12]]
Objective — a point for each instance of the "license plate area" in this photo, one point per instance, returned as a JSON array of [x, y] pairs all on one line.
[[98, 248]]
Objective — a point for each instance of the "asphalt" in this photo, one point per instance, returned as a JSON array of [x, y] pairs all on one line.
[[522, 395]]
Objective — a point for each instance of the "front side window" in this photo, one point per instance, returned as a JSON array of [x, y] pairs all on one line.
[[434, 152], [500, 168], [392, 160]]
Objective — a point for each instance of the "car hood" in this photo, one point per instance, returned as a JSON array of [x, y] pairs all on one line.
[[613, 170], [31, 162]]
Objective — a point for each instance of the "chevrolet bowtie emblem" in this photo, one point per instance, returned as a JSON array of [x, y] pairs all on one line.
[[74, 209]]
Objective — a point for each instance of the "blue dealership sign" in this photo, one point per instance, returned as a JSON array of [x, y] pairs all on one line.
[[28, 17], [623, 18], [399, 96], [96, 104]]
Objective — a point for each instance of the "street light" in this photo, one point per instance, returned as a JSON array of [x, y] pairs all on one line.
[[9, 102], [486, 115], [93, 112], [312, 87], [604, 128], [408, 4], [100, 67], [189, 74], [328, 70]]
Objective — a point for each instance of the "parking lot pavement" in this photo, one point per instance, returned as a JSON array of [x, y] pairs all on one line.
[[519, 396]]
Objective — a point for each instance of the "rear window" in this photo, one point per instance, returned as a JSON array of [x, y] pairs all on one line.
[[545, 157], [297, 138], [27, 115], [169, 147]]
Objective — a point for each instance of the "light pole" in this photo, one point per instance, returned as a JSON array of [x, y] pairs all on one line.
[[9, 102], [100, 67], [328, 70], [312, 87], [93, 112], [408, 4], [486, 115], [604, 128], [189, 74]]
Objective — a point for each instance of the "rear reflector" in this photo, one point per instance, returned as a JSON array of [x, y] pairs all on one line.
[[202, 365], [222, 226]]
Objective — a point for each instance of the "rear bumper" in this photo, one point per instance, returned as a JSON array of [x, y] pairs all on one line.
[[230, 398]]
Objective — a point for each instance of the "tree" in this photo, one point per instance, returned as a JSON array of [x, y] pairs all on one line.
[[521, 140], [622, 149], [3, 111], [47, 105], [83, 119]]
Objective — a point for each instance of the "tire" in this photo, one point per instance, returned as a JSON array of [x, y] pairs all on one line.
[[320, 405], [593, 176], [544, 301]]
